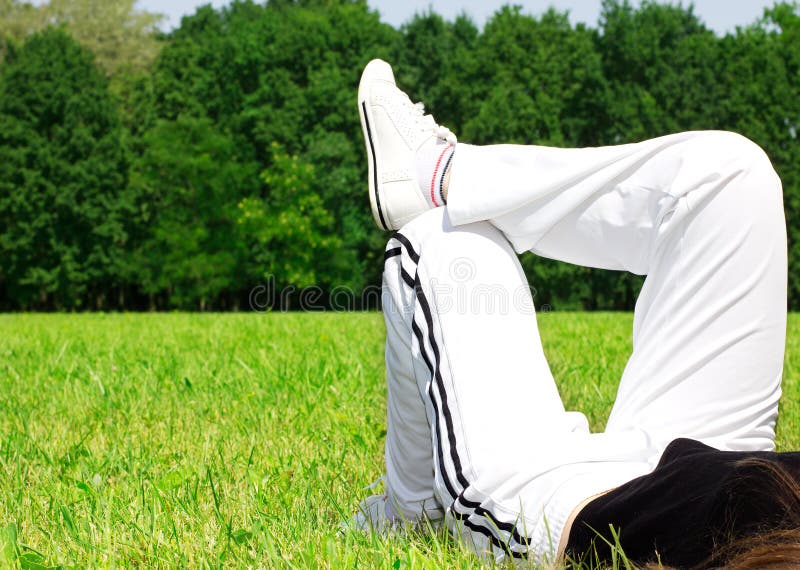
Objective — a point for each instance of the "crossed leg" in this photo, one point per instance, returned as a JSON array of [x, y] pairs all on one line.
[[475, 425]]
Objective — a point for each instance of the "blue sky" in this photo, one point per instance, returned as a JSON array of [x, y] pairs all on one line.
[[720, 15]]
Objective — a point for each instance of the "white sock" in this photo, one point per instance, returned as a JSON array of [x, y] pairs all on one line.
[[433, 160]]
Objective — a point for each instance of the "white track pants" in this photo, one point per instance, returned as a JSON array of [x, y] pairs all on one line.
[[476, 428]]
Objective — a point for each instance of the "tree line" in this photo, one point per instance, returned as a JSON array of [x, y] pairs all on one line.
[[143, 170]]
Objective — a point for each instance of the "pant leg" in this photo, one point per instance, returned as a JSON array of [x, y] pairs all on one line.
[[701, 214], [500, 453], [409, 447]]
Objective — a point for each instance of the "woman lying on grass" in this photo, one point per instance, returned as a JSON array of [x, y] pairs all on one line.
[[478, 437]]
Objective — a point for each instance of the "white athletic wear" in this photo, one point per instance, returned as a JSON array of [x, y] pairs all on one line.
[[395, 131], [476, 428]]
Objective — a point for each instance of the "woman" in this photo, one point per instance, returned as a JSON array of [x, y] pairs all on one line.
[[477, 434]]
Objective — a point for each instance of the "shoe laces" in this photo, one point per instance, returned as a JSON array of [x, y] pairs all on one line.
[[427, 123]]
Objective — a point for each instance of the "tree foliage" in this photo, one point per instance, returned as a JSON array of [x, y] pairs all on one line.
[[63, 177], [186, 184], [121, 37], [228, 152]]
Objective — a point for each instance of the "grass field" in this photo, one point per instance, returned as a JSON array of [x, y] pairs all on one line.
[[234, 440]]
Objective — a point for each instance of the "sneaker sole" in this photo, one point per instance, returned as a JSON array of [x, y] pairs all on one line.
[[374, 188]]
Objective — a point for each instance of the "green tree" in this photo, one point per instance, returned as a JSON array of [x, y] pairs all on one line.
[[662, 65], [543, 81], [18, 20], [246, 151], [288, 233], [122, 38], [62, 177], [187, 184], [286, 73]]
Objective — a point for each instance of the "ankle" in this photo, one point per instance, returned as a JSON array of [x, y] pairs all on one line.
[[446, 184], [433, 164]]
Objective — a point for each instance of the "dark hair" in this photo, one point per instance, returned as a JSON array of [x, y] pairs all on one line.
[[767, 495], [760, 508]]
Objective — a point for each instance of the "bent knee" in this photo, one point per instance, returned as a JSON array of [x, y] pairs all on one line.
[[742, 162], [736, 147]]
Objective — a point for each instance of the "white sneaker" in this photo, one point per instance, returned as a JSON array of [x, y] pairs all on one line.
[[394, 131]]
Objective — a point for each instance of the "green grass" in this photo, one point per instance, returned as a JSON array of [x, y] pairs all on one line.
[[235, 440]]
